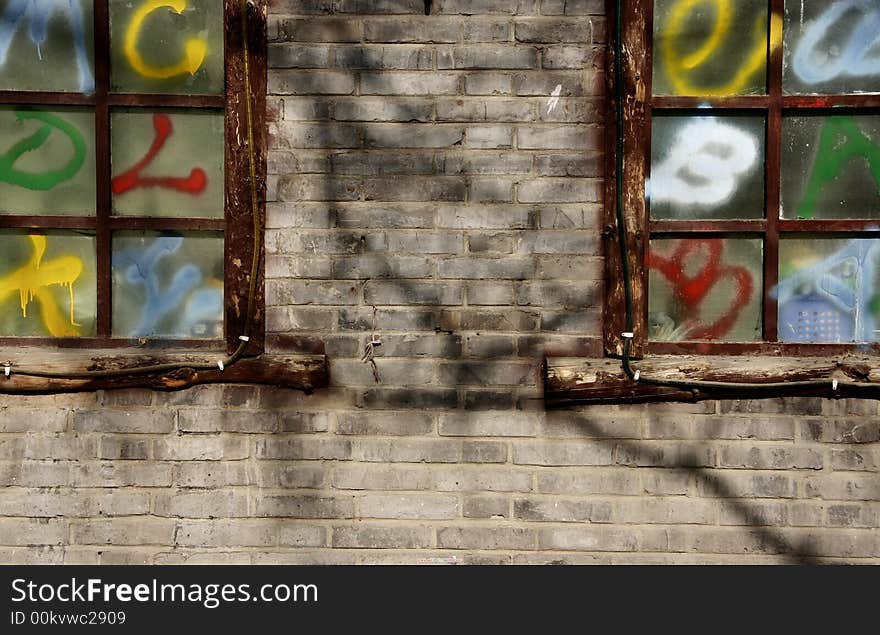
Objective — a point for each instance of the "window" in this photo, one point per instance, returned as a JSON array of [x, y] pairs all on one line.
[[129, 200], [758, 152], [751, 181]]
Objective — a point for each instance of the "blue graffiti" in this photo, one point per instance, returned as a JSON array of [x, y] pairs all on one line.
[[814, 64], [197, 305], [831, 301], [36, 14]]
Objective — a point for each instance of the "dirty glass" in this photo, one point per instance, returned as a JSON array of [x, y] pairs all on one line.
[[707, 167], [831, 167], [168, 285], [705, 289], [167, 163], [828, 289], [831, 47], [167, 46], [710, 47], [47, 160], [47, 46], [47, 283]]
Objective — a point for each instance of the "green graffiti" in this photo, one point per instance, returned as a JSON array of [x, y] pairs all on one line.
[[840, 142], [49, 179]]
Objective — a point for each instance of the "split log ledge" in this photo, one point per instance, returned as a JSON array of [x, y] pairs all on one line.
[[581, 381], [300, 372]]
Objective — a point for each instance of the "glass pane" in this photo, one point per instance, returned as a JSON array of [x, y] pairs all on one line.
[[705, 289], [831, 47], [707, 167], [168, 285], [47, 284], [47, 161], [828, 289], [167, 163], [831, 167], [710, 47], [47, 46], [167, 46]]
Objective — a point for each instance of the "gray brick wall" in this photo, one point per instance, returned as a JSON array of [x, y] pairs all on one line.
[[417, 166]]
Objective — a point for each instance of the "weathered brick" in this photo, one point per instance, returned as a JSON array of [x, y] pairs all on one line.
[[589, 539], [144, 421], [408, 506], [499, 538], [383, 537], [305, 506]]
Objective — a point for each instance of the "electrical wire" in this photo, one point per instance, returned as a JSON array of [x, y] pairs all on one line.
[[239, 351], [635, 374]]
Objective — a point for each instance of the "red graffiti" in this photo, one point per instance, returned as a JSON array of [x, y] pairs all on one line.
[[194, 184], [691, 291]]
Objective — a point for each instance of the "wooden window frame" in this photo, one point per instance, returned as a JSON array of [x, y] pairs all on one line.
[[104, 352], [573, 380]]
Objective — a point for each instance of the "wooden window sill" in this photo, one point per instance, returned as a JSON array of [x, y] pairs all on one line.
[[301, 372], [581, 381]]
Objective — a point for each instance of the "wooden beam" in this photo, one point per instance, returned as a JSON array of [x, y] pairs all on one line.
[[300, 372], [573, 381], [636, 129]]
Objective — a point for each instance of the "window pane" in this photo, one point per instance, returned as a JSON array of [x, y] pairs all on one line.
[[828, 290], [831, 167], [47, 284], [831, 47], [47, 46], [47, 161], [167, 46], [707, 167], [705, 289], [168, 285], [710, 47], [168, 163]]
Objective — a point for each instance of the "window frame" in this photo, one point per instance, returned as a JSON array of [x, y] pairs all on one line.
[[639, 107], [728, 370], [236, 223], [65, 363]]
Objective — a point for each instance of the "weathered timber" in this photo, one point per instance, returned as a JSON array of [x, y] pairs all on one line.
[[572, 381], [636, 129], [300, 372]]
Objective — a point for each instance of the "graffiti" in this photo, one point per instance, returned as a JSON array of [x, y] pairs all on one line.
[[819, 58], [131, 179], [195, 49], [141, 269], [37, 13], [681, 66], [704, 165], [42, 181], [831, 300], [691, 291], [33, 282], [840, 142]]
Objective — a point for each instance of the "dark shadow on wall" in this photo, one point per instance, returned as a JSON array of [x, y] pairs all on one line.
[[355, 170]]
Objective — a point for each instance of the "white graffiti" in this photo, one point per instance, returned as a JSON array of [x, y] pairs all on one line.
[[36, 14], [819, 58], [554, 98], [705, 163]]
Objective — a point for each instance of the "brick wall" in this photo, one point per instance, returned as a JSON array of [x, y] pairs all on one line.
[[417, 166]]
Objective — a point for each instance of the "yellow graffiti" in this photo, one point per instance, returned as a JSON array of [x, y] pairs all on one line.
[[679, 65], [195, 51], [32, 282]]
